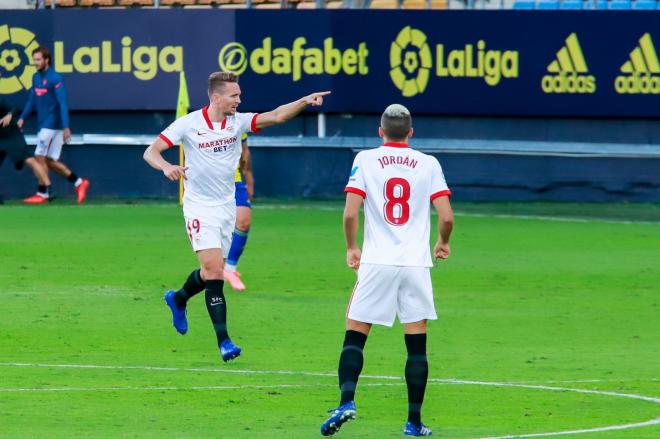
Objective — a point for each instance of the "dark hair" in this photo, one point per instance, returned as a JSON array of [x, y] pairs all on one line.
[[43, 50], [396, 122], [218, 79]]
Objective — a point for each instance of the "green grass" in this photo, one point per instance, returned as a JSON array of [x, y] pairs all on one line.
[[522, 300]]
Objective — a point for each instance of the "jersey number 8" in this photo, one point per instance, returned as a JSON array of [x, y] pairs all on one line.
[[397, 193]]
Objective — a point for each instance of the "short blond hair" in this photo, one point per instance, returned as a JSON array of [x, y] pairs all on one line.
[[217, 80], [396, 122]]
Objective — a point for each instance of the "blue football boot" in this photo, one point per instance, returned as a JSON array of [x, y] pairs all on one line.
[[229, 350], [412, 430], [179, 319], [339, 416]]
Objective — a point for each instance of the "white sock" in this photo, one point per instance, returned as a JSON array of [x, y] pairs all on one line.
[[230, 268], [78, 182], [43, 194]]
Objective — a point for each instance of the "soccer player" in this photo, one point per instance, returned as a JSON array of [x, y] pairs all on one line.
[[244, 194], [397, 185], [212, 144], [12, 143], [48, 94]]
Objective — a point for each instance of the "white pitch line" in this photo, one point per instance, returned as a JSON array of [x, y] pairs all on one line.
[[553, 388], [650, 422], [177, 388], [655, 421]]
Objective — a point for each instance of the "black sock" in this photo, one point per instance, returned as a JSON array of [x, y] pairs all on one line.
[[350, 364], [217, 307], [417, 373], [73, 177], [193, 285]]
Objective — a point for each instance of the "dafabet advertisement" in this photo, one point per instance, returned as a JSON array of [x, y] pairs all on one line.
[[443, 62]]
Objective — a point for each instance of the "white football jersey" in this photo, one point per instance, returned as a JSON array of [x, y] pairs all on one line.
[[212, 151], [398, 185]]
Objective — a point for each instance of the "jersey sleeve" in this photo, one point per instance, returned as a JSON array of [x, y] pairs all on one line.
[[60, 94], [247, 122], [438, 184], [356, 184], [173, 134]]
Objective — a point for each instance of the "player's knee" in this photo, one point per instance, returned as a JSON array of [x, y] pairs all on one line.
[[243, 224], [211, 271]]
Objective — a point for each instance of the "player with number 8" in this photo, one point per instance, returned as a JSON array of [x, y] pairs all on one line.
[[397, 185]]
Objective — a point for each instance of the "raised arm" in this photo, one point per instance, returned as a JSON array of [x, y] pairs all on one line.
[[351, 225], [153, 156], [445, 226], [288, 111]]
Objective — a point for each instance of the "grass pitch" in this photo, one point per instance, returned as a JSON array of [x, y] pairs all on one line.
[[87, 348]]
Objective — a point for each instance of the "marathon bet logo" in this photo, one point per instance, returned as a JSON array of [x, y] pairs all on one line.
[[16, 69], [411, 62], [569, 72], [641, 71]]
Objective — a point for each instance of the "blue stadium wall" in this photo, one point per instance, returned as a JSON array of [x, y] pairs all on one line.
[[292, 172], [586, 97]]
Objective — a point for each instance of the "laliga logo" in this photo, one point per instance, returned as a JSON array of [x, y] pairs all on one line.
[[410, 61], [13, 41], [233, 58]]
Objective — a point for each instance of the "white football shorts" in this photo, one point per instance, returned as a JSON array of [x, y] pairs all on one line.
[[49, 143], [210, 226], [384, 292]]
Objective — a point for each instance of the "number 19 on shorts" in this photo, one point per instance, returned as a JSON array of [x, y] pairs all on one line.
[[397, 193]]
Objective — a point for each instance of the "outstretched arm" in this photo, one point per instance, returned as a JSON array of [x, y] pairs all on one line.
[[351, 224], [445, 226], [288, 111], [153, 156]]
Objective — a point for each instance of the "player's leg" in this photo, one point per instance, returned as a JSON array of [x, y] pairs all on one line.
[[373, 301], [211, 262], [39, 167], [177, 300], [239, 237], [417, 372], [351, 360], [53, 159], [415, 307]]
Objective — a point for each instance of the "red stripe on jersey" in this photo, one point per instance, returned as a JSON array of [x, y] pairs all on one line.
[[348, 308], [224, 123], [253, 126], [446, 193], [355, 190], [166, 140], [205, 113], [396, 145]]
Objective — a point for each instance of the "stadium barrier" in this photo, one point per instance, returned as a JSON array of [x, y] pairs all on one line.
[[309, 167]]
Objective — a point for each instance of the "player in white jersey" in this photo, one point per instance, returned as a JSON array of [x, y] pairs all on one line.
[[398, 186], [212, 144]]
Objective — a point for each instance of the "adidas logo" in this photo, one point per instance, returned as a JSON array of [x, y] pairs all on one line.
[[569, 72], [641, 71]]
